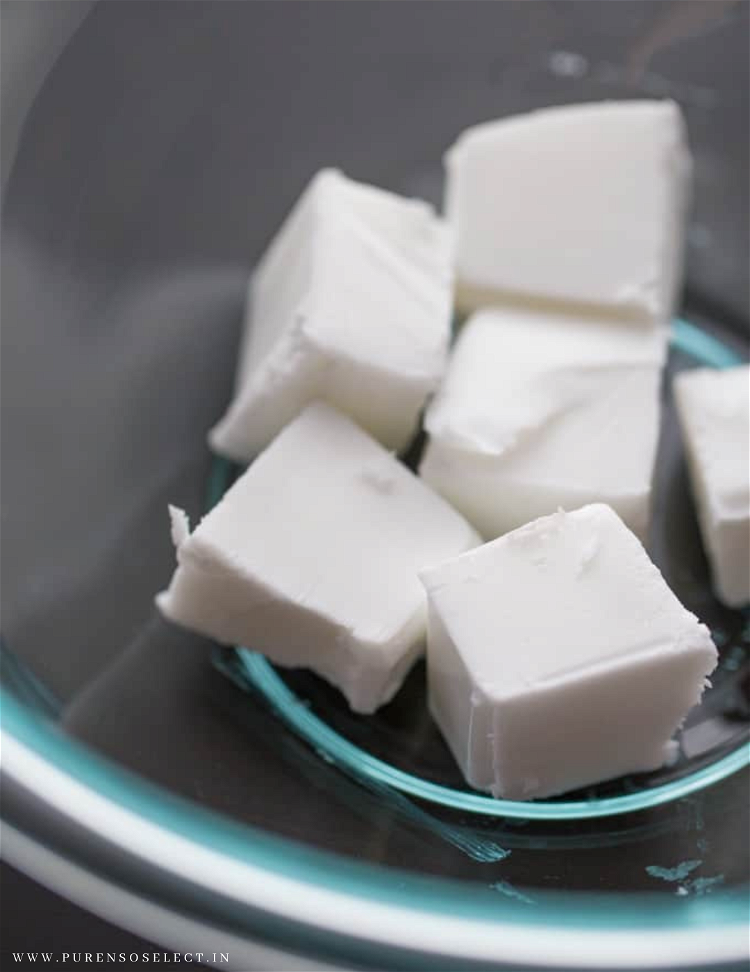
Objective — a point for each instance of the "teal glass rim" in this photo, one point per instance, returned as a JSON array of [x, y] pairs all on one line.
[[610, 929], [312, 867], [358, 763]]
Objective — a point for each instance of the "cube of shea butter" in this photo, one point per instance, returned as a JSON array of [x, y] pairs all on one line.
[[312, 557], [558, 657], [541, 410], [714, 410], [350, 304], [583, 204]]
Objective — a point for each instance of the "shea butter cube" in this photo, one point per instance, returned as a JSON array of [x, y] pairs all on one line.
[[557, 657], [541, 410], [312, 557], [714, 410], [583, 204], [351, 304]]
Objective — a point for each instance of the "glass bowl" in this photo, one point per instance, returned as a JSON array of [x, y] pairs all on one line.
[[196, 795]]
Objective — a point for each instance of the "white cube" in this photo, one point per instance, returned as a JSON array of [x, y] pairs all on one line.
[[558, 657], [583, 204], [714, 409], [312, 557], [351, 304], [539, 411]]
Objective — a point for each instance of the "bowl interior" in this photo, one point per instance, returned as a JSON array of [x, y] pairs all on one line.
[[143, 189]]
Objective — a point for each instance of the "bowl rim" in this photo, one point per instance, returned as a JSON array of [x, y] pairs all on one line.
[[360, 764], [66, 808], [264, 887]]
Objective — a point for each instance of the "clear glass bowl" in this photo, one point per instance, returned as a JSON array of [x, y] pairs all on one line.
[[254, 812]]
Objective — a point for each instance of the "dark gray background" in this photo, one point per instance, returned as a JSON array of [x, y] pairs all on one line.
[[160, 154]]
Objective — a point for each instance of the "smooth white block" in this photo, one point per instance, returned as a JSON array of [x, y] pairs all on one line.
[[351, 304], [558, 657], [541, 410], [714, 410], [584, 204], [312, 558]]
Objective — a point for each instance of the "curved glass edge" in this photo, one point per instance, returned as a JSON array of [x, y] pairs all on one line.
[[601, 911], [360, 763], [611, 911], [702, 347]]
